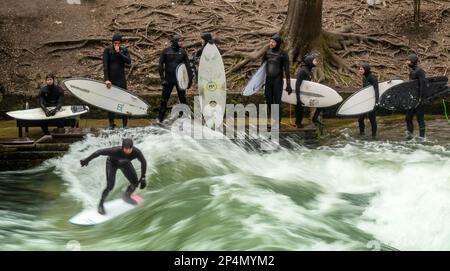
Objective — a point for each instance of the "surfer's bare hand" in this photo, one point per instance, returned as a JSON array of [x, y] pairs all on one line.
[[117, 48], [108, 84]]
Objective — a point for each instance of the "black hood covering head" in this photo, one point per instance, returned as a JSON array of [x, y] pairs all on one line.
[[127, 143], [414, 60], [50, 75], [175, 39], [207, 37], [366, 68], [278, 39], [117, 37], [309, 61]]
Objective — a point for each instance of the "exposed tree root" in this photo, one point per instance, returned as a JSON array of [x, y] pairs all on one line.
[[241, 30]]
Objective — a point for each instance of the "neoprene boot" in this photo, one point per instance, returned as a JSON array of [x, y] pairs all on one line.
[[422, 132], [101, 209], [127, 195]]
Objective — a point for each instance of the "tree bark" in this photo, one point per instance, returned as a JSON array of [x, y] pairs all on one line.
[[416, 13], [302, 27]]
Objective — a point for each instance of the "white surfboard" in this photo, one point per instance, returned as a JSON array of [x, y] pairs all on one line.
[[113, 209], [66, 111], [312, 94], [363, 101], [212, 82], [114, 99], [256, 82], [182, 76]]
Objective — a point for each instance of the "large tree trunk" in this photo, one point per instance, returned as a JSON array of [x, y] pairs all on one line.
[[302, 27]]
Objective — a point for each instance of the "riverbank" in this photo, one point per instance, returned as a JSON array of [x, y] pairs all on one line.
[[8, 129]]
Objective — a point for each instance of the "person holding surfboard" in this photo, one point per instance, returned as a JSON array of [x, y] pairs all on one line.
[[416, 72], [114, 60], [120, 158], [51, 95], [205, 38], [369, 80], [277, 61], [305, 73], [169, 60]]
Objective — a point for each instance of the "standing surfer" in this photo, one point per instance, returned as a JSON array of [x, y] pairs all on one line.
[[416, 72], [114, 60], [205, 38], [277, 61], [168, 62], [305, 73], [369, 80], [120, 158]]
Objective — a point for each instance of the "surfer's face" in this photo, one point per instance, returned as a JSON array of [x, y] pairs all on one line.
[[272, 44], [50, 81], [127, 150], [361, 70], [203, 42], [180, 43], [408, 62], [315, 61]]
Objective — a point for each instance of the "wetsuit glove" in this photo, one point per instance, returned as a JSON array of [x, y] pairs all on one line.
[[164, 83], [289, 89], [143, 183], [84, 162], [53, 112], [47, 112]]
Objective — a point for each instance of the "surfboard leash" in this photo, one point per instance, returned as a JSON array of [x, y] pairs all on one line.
[[445, 111]]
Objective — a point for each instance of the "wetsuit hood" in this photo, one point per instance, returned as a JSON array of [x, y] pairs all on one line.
[[207, 37], [117, 37], [278, 39], [127, 143], [309, 61], [366, 68], [175, 40], [52, 76], [414, 60]]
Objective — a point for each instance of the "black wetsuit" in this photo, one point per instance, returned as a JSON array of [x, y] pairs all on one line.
[[277, 61], [168, 62], [117, 159], [305, 73], [51, 96], [369, 80], [114, 71], [418, 73]]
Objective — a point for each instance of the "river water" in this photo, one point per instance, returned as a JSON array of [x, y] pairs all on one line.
[[344, 194]]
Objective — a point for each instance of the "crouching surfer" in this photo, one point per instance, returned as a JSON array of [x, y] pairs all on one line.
[[120, 157]]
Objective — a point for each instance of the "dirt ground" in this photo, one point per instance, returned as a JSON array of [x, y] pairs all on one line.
[[52, 35]]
